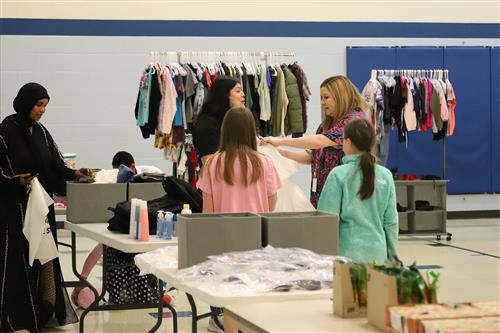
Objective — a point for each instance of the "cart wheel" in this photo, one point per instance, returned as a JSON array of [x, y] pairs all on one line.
[[448, 238], [438, 237]]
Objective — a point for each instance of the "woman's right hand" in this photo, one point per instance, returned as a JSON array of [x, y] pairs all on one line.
[[276, 142]]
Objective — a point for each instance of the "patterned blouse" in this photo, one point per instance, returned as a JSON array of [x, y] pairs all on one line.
[[323, 160]]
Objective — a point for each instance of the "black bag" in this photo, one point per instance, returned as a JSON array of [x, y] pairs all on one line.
[[121, 218], [147, 177], [184, 192]]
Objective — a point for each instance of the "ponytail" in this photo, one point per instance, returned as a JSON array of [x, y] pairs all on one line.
[[367, 165], [362, 136]]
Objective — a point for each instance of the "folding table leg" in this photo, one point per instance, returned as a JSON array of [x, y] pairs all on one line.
[[194, 314], [98, 297], [160, 307]]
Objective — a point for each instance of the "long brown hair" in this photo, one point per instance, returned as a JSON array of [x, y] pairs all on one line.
[[346, 97], [362, 136], [238, 140]]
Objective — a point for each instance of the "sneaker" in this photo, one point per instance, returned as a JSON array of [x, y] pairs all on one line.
[[212, 326]]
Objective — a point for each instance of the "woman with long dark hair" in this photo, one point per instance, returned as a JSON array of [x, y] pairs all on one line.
[[224, 93]]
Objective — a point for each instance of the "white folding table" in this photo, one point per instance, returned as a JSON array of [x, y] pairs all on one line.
[[192, 291], [306, 315], [122, 242]]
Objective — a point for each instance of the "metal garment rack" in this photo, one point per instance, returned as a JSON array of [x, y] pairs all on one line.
[[410, 187], [210, 57], [218, 56], [419, 73]]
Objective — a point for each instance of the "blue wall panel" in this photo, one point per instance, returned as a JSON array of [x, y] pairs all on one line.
[[473, 153], [361, 60], [469, 150], [423, 156], [495, 119]]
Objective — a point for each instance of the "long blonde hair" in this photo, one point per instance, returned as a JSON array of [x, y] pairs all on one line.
[[346, 97], [238, 140]]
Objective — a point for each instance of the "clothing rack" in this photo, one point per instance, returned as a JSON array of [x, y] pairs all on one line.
[[442, 74], [420, 73], [246, 57], [214, 56]]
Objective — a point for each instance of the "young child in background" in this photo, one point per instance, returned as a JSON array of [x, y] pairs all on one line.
[[363, 194], [237, 178]]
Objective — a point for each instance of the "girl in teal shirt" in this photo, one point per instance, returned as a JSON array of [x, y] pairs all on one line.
[[363, 194]]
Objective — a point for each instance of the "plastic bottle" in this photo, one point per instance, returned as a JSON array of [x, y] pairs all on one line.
[[144, 222], [186, 210], [174, 219], [160, 224], [169, 225]]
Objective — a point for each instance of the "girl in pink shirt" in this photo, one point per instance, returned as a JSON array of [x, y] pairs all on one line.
[[237, 178]]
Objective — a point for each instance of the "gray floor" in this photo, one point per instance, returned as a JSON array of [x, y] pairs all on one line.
[[469, 267]]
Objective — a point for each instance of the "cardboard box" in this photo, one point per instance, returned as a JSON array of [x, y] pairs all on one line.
[[411, 319], [315, 231], [463, 325], [382, 293], [202, 235], [344, 304], [89, 203]]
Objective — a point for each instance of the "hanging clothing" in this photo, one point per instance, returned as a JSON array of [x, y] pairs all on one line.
[[279, 103], [32, 297], [293, 120], [264, 95], [304, 91], [372, 93]]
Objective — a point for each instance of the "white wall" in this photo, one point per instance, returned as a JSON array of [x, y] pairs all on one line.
[[93, 80], [443, 11], [93, 83]]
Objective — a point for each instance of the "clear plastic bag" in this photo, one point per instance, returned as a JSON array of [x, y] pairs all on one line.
[[264, 270], [159, 259]]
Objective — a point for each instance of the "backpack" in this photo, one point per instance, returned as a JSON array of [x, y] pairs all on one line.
[[121, 218], [184, 192], [178, 192]]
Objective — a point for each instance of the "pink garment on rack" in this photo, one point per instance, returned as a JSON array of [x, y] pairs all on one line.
[[430, 90], [442, 100], [452, 99], [169, 105], [409, 113]]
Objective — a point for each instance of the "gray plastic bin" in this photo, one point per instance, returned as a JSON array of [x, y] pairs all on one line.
[[202, 235], [316, 231], [89, 203], [146, 191]]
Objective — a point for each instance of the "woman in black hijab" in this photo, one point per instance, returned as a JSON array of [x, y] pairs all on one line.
[[31, 297]]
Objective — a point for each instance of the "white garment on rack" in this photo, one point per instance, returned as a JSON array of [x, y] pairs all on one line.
[[264, 96], [36, 225], [169, 105], [290, 196], [408, 111]]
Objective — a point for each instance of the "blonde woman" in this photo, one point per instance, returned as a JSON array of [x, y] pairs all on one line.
[[340, 103]]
